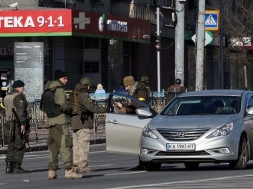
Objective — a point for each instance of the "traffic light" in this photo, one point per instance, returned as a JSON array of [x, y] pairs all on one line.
[[158, 43]]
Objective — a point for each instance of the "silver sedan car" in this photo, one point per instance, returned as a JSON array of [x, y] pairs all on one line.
[[195, 127]]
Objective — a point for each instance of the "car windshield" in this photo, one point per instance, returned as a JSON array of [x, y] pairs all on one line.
[[201, 105]]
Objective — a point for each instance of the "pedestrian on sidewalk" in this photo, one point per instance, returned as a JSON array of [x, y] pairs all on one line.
[[59, 140], [82, 122], [17, 124]]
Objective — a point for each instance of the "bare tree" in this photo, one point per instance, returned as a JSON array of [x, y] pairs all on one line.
[[238, 24]]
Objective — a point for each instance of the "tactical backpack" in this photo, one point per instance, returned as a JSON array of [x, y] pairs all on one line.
[[48, 105]]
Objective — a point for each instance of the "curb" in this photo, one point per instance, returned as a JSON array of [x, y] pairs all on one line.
[[43, 147]]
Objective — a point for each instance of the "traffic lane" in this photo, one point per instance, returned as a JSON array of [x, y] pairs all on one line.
[[114, 170]]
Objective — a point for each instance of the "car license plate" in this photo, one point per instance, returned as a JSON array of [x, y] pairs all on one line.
[[180, 146]]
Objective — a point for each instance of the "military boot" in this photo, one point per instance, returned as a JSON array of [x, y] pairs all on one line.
[[52, 174], [18, 169], [71, 174], [85, 169], [9, 168]]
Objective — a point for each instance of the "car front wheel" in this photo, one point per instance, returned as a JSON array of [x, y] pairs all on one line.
[[241, 162], [152, 166]]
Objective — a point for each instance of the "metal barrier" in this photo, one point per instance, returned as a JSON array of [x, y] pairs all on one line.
[[39, 118]]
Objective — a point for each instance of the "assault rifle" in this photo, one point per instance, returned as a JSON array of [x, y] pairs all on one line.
[[19, 126]]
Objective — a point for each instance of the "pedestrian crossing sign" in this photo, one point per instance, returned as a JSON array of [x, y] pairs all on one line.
[[212, 20]]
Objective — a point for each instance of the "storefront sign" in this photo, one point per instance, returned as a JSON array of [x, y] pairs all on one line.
[[111, 27], [66, 22], [48, 22]]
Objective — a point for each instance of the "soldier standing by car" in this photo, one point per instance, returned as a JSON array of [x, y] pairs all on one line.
[[135, 89], [16, 101], [59, 140], [139, 91], [82, 122]]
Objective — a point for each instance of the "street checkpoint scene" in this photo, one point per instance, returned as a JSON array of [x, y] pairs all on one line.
[[126, 94]]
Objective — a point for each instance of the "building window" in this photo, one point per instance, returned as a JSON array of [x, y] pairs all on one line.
[[91, 67]]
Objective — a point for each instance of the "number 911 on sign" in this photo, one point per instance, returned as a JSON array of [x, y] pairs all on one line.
[[180, 146]]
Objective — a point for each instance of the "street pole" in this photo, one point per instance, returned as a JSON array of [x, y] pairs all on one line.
[[200, 46], [158, 50], [221, 44], [179, 42]]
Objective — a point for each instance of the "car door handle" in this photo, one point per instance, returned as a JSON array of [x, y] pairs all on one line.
[[112, 121]]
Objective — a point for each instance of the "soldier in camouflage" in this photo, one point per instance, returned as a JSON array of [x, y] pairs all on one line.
[[82, 122], [59, 140], [16, 147], [135, 89]]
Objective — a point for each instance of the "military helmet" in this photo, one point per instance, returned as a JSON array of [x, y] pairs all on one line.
[[86, 81], [144, 78], [178, 81]]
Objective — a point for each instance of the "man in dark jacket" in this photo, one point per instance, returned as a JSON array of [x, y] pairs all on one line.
[[59, 140], [82, 122], [174, 89], [18, 127], [145, 80]]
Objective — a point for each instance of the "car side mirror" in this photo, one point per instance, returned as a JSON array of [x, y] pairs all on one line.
[[144, 112]]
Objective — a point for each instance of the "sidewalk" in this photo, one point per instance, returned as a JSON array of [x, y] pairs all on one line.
[[97, 137]]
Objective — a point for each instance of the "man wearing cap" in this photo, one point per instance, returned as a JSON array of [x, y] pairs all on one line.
[[16, 147], [59, 140], [135, 89]]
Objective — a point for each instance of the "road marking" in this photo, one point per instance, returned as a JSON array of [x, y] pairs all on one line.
[[128, 173], [106, 165], [181, 182]]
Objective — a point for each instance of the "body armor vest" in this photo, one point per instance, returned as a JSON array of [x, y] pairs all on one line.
[[8, 102]]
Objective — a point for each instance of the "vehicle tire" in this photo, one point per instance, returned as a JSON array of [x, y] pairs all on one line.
[[243, 152], [191, 165], [152, 166]]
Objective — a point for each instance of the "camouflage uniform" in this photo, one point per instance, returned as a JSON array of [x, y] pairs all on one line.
[[59, 140], [81, 124], [139, 91], [16, 147]]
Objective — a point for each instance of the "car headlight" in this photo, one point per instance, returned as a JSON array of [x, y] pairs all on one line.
[[223, 131], [146, 132]]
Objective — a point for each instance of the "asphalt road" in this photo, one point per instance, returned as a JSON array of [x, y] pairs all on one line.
[[113, 171]]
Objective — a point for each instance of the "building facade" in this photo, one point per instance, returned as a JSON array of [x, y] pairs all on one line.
[[107, 40]]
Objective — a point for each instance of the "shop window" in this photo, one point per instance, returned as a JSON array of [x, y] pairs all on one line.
[[91, 67]]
